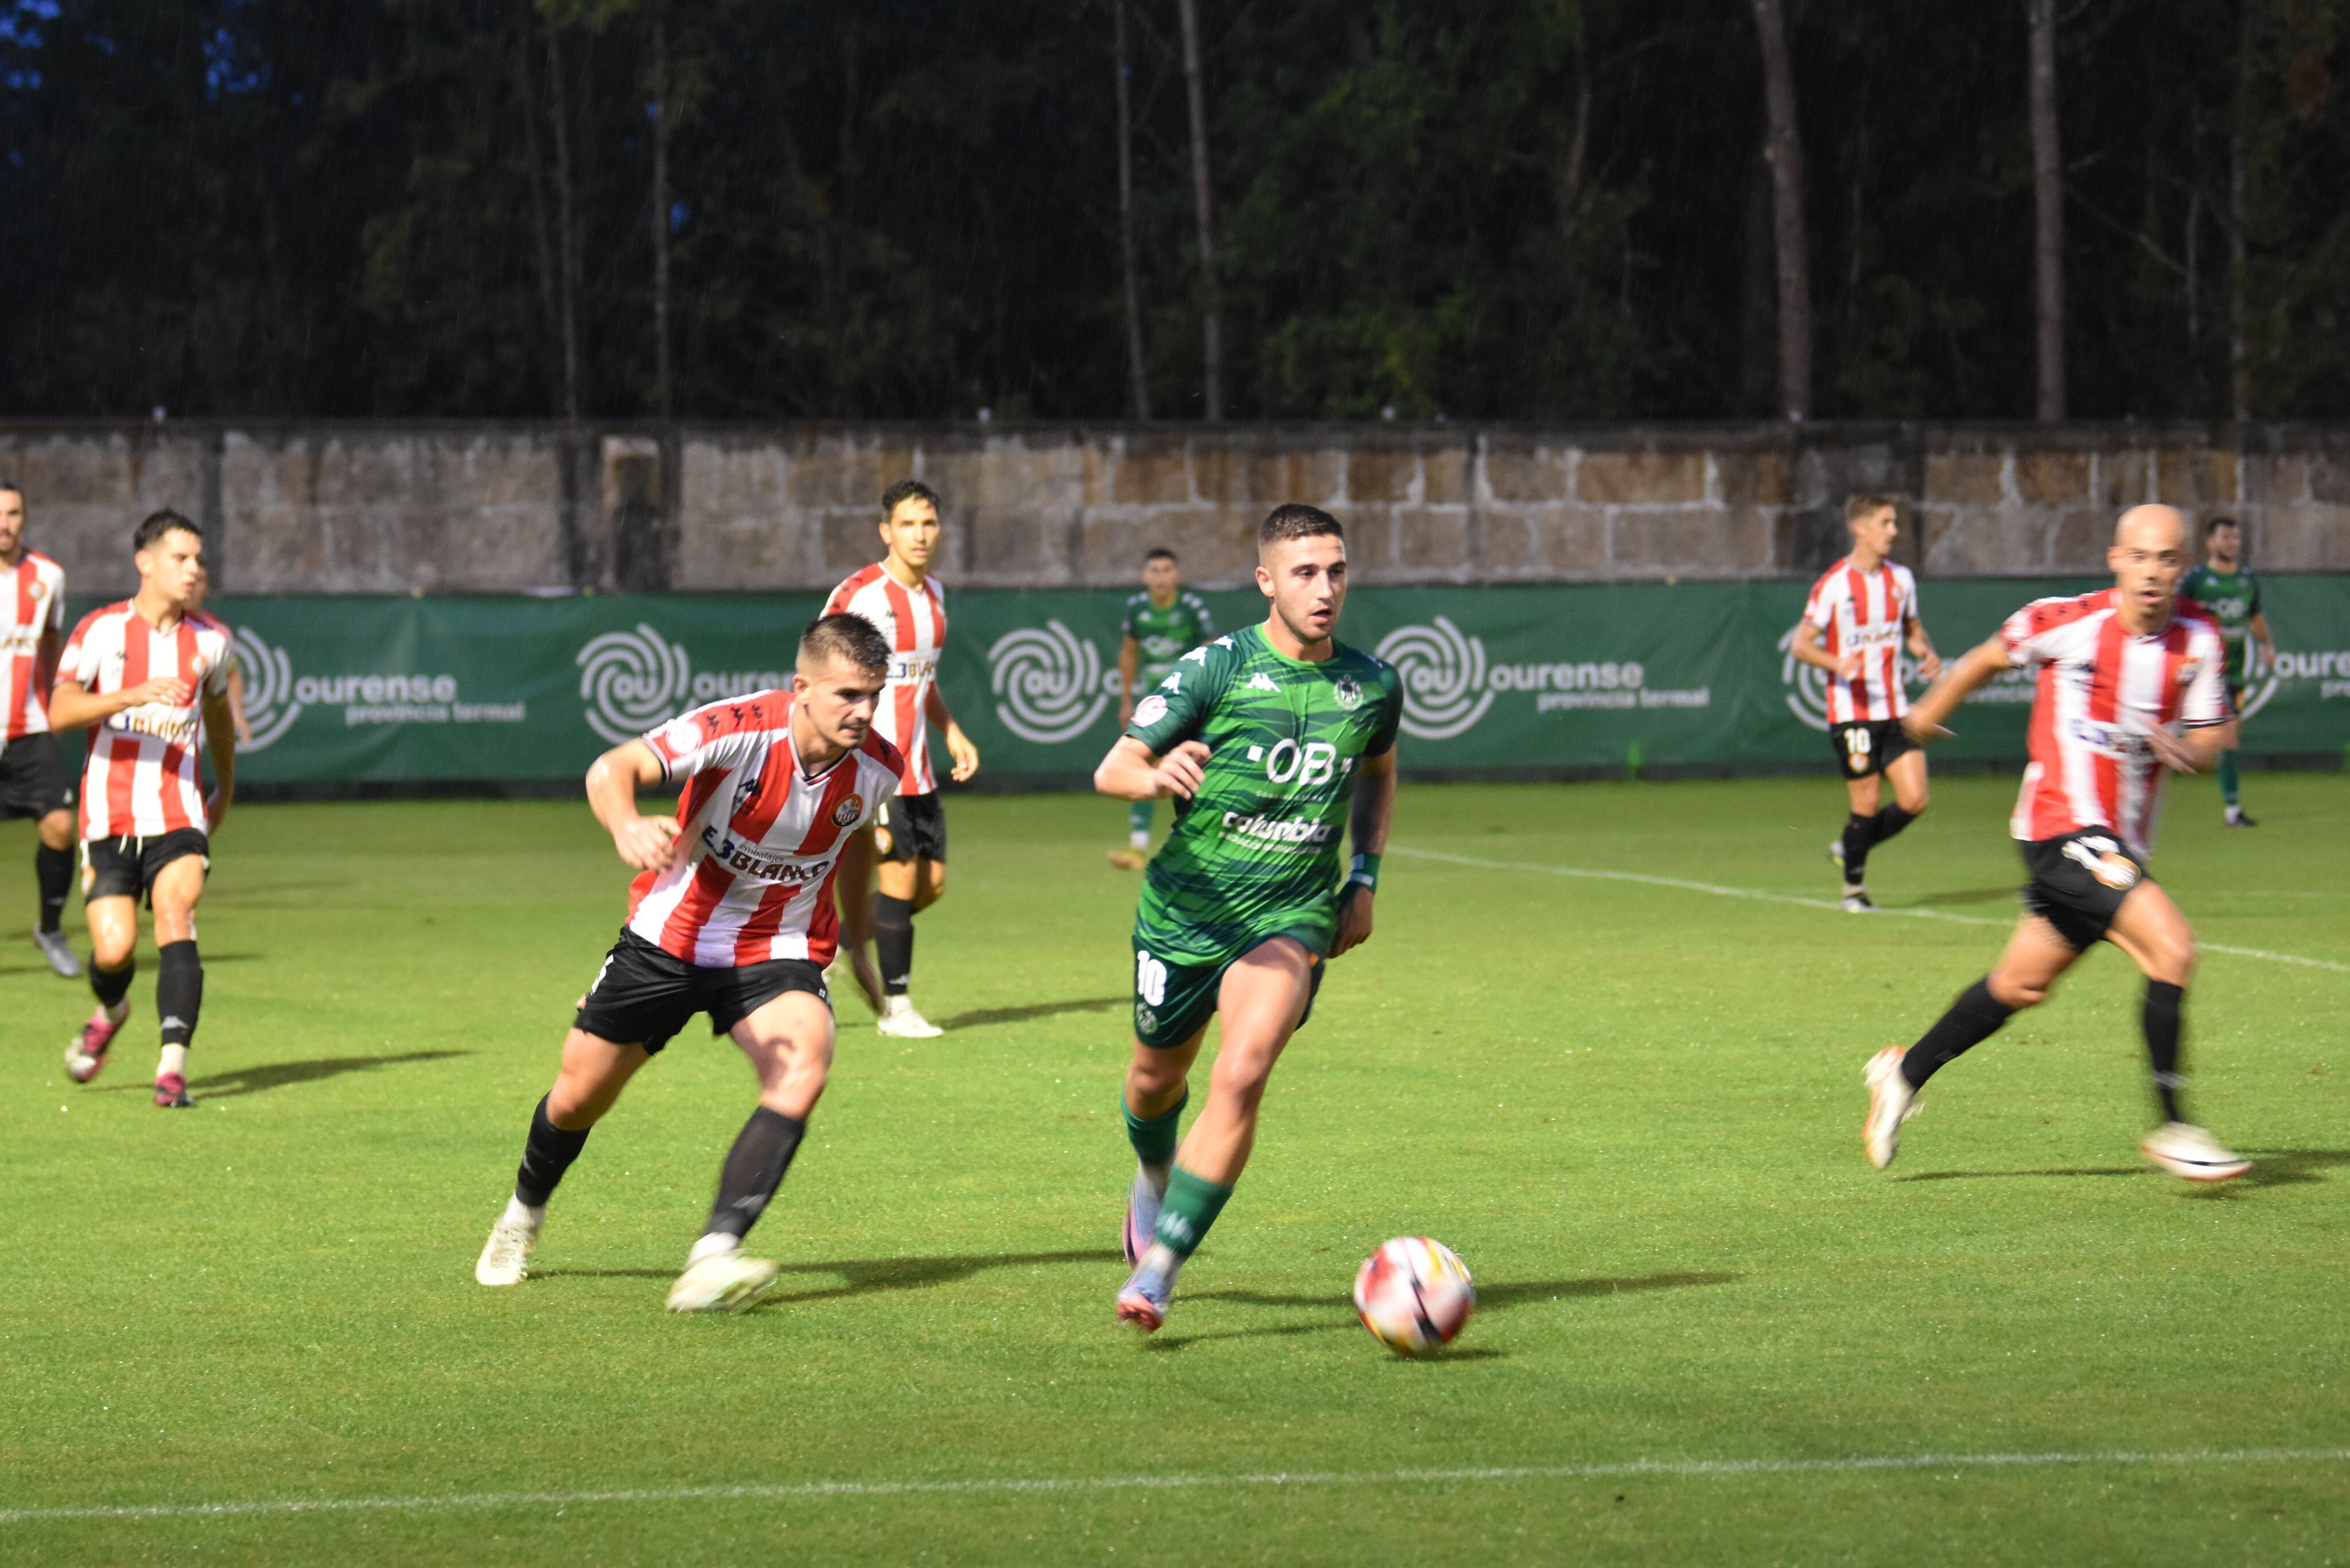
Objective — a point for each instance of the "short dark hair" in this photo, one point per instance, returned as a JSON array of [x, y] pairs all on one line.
[[848, 637], [155, 524], [1161, 553], [2220, 522], [1296, 520], [9, 482], [1866, 505], [906, 490]]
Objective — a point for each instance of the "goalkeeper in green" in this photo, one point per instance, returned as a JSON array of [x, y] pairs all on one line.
[[2228, 593], [1272, 740]]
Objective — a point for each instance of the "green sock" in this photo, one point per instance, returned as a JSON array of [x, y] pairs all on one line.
[[1139, 814], [2227, 778], [1153, 1138], [1191, 1206]]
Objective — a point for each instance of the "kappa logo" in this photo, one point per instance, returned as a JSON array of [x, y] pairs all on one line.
[[1174, 681], [850, 808], [1262, 682], [1049, 684], [1443, 673]]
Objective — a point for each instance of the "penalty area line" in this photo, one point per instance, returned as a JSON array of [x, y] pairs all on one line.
[[1015, 1485], [1759, 896]]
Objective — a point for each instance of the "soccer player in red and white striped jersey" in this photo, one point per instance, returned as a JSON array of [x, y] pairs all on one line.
[[731, 914], [1859, 614], [2130, 682], [898, 594], [148, 680], [33, 778]]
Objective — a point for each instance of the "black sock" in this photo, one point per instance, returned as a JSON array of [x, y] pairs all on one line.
[[893, 942], [1973, 1018], [54, 870], [1859, 833], [179, 991], [111, 986], [1890, 821], [545, 1156], [2161, 1017], [754, 1168]]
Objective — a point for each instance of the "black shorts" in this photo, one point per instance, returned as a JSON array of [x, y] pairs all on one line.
[[2079, 881], [643, 995], [126, 867], [33, 778], [911, 827], [1870, 747]]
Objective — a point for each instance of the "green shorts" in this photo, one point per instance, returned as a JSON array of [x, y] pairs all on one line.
[[1174, 998]]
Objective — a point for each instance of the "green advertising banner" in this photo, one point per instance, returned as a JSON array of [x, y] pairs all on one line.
[[1498, 679]]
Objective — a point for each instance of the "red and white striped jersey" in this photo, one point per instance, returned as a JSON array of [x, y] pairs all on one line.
[[32, 603], [759, 840], [141, 779], [915, 622], [2100, 690], [1864, 612]]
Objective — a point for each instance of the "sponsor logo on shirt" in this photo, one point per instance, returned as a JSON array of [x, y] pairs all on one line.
[[749, 861], [1294, 832]]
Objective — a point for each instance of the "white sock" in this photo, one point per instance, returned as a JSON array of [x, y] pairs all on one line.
[[716, 1244], [175, 1060], [1140, 840], [119, 1012], [1163, 1257], [520, 1214]]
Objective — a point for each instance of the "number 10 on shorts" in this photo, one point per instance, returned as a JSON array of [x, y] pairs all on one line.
[[1150, 979]]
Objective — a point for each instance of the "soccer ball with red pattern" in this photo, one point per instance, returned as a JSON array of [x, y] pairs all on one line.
[[1414, 1295]]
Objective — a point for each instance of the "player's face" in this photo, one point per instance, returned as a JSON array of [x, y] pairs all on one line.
[[839, 698], [911, 533], [172, 566], [1306, 581], [12, 521], [2223, 542], [2148, 557], [1876, 532], [1159, 577]]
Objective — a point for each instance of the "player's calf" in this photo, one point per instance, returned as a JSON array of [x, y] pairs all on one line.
[[87, 1055]]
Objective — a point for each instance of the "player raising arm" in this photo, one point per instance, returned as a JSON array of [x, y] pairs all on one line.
[[2122, 672], [1270, 740], [731, 914]]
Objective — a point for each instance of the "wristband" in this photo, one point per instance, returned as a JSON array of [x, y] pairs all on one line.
[[1364, 873]]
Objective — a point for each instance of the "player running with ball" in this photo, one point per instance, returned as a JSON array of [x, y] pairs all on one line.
[[1270, 740], [2121, 672], [733, 916]]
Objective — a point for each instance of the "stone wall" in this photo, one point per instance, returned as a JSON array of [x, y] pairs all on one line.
[[432, 507]]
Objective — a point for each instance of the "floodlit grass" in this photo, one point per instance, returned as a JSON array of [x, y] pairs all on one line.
[[1633, 1108]]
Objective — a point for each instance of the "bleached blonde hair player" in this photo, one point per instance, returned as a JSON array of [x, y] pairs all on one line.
[[2130, 683]]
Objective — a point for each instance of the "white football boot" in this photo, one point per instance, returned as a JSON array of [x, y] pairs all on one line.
[[900, 1022], [506, 1256], [722, 1282], [2186, 1151], [1891, 1102]]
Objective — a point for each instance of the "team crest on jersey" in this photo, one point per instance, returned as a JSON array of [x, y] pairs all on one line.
[[851, 807], [1347, 692], [1151, 710], [2188, 670]]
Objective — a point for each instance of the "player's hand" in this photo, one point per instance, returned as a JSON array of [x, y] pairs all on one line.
[[966, 754], [1929, 666], [647, 843], [1919, 731], [1182, 770], [2172, 752], [1848, 667], [167, 689], [1354, 919]]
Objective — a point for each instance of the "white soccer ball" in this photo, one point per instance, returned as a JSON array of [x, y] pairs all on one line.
[[1414, 1295]]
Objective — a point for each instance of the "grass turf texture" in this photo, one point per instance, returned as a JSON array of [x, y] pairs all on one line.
[[1634, 1110]]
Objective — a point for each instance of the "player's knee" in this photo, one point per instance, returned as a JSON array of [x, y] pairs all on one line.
[[2018, 992], [2172, 958], [56, 830], [1914, 802], [111, 950]]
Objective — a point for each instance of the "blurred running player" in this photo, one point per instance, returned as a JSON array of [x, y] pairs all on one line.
[[33, 780], [2230, 595], [731, 914], [148, 679], [898, 594], [2121, 672], [1272, 740], [1860, 614], [1163, 623]]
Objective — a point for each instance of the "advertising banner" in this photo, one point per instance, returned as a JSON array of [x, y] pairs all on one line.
[[1498, 680]]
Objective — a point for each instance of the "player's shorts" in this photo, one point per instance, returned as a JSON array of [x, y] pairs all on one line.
[[1870, 747], [1174, 998], [643, 995], [911, 827], [33, 778], [126, 867], [2079, 881]]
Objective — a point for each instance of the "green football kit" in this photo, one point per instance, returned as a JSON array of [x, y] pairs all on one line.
[[2231, 598], [1255, 854], [1163, 633]]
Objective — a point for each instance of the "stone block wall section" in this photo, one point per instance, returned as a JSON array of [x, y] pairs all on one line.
[[500, 507]]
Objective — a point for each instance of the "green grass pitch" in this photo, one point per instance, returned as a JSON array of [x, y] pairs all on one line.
[[1632, 1106]]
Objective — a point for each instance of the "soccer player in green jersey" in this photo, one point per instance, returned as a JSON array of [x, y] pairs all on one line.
[[1163, 623], [1270, 740], [2230, 595]]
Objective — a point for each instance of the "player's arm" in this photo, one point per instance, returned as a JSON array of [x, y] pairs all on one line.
[[959, 746], [219, 738], [1129, 665], [1807, 651], [614, 779], [1133, 771], [45, 658], [2258, 626], [236, 704], [1924, 719], [1921, 648], [1366, 829], [73, 706]]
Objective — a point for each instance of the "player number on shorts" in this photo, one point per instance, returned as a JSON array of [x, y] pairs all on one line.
[[1150, 979], [1856, 741]]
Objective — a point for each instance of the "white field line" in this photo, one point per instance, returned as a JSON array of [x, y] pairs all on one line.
[[1015, 1485], [1759, 896]]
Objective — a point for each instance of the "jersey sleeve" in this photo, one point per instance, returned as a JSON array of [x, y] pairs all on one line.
[[2252, 599], [1819, 610], [721, 734], [1909, 610], [2205, 700], [1383, 739], [1126, 621], [1177, 709], [78, 662], [56, 616], [2190, 586], [1204, 623], [2025, 633], [216, 680]]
